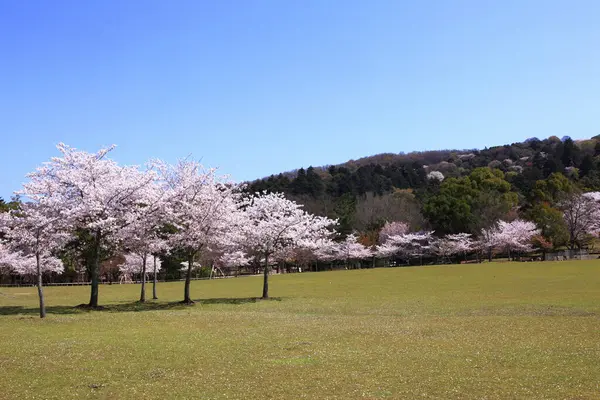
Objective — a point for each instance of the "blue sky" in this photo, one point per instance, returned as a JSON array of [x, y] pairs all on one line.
[[260, 87]]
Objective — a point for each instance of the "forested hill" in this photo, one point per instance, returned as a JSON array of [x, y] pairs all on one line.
[[448, 190]]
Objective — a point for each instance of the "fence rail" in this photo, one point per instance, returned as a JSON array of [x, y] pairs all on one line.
[[115, 283], [569, 255]]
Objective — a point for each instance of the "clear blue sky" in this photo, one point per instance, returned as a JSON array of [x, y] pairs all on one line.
[[260, 87]]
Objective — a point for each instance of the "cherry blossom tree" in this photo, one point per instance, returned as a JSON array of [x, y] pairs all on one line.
[[33, 232], [157, 265], [7, 257], [412, 245], [92, 194], [234, 259], [202, 206], [286, 255], [385, 251], [27, 264], [453, 244], [582, 215], [142, 236], [392, 229], [134, 264], [489, 240], [130, 266], [516, 235], [271, 223], [435, 175], [462, 242], [595, 196], [324, 250], [351, 250]]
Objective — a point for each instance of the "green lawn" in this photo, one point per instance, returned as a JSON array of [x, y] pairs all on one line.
[[491, 331]]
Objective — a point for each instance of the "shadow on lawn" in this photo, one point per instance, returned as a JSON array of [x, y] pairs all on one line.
[[135, 306]]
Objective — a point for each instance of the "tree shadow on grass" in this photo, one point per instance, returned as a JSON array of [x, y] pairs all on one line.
[[20, 310], [135, 306]]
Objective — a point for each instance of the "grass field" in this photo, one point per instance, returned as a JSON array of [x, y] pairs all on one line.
[[491, 331]]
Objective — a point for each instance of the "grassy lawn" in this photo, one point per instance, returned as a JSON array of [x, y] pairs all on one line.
[[492, 331]]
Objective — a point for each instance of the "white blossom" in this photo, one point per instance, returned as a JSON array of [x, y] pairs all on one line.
[[435, 175]]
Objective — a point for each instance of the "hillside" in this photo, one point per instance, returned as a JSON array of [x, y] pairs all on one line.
[[447, 190]]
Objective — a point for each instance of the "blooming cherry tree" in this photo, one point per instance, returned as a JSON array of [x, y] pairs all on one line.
[[34, 233], [234, 258], [142, 236], [435, 175], [90, 193], [133, 264], [324, 250], [516, 235], [130, 266], [386, 250], [450, 245], [461, 242], [352, 250], [489, 239], [412, 245], [202, 207], [582, 216], [8, 258], [271, 224], [156, 267], [443, 248], [392, 229]]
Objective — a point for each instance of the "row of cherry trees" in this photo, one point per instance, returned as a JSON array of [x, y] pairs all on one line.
[[88, 202], [395, 241]]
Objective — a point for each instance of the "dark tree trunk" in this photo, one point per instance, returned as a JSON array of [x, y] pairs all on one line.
[[490, 255], [94, 270], [143, 289], [265, 293], [188, 279], [40, 287], [154, 281]]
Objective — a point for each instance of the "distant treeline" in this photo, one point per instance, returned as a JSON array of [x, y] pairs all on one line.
[[449, 191]]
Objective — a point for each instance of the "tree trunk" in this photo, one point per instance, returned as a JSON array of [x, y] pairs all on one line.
[[265, 293], [39, 286], [154, 297], [143, 290], [94, 270], [188, 279]]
